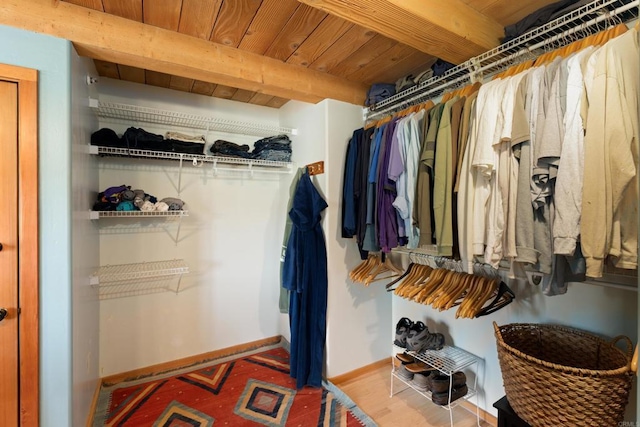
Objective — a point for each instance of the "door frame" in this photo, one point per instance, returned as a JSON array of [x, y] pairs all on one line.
[[28, 248]]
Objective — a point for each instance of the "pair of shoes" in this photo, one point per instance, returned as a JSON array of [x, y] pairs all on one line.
[[415, 336], [442, 399], [420, 339], [440, 383]]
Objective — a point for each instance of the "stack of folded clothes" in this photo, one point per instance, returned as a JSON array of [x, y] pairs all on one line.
[[230, 149], [275, 148], [123, 198]]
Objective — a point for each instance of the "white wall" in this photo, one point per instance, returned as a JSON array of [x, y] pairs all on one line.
[[604, 311], [358, 316], [85, 247], [51, 57], [231, 241]]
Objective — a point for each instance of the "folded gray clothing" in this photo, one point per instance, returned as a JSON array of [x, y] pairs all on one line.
[[138, 193], [128, 195], [174, 203]]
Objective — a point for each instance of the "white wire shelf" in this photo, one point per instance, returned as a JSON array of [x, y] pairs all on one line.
[[196, 159], [470, 392], [112, 274], [593, 16], [137, 214], [448, 360], [133, 113]]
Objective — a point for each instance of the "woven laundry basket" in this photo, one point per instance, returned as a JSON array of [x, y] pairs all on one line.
[[558, 376]]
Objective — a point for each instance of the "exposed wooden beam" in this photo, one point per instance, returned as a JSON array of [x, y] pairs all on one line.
[[447, 29], [110, 38]]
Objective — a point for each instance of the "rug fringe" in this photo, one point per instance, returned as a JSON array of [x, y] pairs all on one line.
[[104, 401], [364, 419]]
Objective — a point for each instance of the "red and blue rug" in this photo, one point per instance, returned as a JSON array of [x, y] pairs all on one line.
[[248, 390]]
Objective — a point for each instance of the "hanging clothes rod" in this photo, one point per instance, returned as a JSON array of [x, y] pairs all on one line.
[[436, 261], [557, 31]]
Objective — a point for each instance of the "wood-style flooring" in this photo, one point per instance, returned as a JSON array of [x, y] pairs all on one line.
[[370, 391]]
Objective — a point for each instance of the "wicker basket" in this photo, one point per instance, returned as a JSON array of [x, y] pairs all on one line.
[[558, 376]]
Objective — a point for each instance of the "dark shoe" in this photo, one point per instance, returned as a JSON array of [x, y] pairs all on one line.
[[440, 383], [402, 330], [443, 398], [420, 339], [417, 333], [405, 358]]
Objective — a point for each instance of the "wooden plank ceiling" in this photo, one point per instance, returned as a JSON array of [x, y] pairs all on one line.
[[298, 33]]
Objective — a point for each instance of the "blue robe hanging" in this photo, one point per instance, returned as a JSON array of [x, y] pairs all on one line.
[[305, 275]]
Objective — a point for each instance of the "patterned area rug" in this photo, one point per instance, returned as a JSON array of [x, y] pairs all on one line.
[[247, 390]]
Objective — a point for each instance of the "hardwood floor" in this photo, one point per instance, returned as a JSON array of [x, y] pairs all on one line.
[[370, 391]]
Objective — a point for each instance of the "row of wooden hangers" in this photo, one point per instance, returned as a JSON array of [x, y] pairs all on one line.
[[444, 289], [374, 268], [399, 114], [597, 39]]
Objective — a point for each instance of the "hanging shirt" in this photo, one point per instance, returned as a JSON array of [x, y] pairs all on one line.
[[405, 198], [360, 188], [423, 209], [568, 191], [348, 196], [443, 183], [609, 197], [386, 192], [370, 241]]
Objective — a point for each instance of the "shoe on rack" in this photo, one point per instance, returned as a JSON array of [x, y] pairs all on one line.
[[402, 330], [417, 332], [420, 339], [419, 367], [405, 358], [440, 383], [420, 382], [442, 399], [404, 374]]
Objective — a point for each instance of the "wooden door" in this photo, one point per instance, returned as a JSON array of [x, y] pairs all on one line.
[[19, 247], [9, 356]]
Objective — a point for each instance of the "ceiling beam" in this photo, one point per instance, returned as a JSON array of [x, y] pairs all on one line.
[[110, 38], [447, 29]]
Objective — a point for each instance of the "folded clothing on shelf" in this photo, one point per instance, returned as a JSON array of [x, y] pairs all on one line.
[[273, 148], [140, 139], [123, 198], [230, 149], [379, 91]]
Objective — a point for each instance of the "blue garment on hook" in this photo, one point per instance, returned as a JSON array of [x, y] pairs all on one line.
[[305, 275]]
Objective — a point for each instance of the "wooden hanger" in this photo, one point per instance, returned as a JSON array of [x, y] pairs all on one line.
[[435, 279], [360, 267], [382, 267]]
